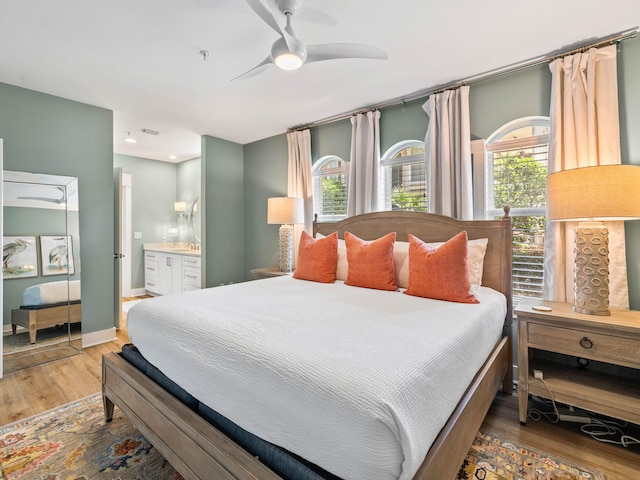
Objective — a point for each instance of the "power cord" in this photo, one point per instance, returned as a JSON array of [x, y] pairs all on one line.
[[600, 430], [603, 430], [536, 414]]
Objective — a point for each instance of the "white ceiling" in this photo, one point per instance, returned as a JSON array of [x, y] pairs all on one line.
[[142, 59]]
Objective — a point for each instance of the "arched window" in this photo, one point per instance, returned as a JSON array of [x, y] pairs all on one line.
[[516, 175], [330, 181], [404, 178]]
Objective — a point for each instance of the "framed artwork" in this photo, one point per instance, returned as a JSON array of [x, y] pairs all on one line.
[[19, 257], [56, 254]]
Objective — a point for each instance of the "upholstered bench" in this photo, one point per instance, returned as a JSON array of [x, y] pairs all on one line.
[[47, 305]]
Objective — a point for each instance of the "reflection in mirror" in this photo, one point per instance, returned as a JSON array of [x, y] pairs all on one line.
[[41, 269], [196, 219]]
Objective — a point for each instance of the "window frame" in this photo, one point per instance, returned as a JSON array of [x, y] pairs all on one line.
[[388, 160], [317, 170], [485, 162]]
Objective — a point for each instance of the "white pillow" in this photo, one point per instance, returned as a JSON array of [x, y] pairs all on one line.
[[475, 260], [343, 263]]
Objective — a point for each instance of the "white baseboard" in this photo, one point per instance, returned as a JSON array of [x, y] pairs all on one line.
[[138, 292], [96, 338]]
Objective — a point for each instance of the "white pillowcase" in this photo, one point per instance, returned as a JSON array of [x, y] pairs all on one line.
[[475, 260], [476, 250]]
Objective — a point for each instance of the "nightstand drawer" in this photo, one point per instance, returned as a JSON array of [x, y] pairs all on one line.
[[583, 343]]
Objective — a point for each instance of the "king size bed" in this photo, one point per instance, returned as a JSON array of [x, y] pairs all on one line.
[[308, 380]]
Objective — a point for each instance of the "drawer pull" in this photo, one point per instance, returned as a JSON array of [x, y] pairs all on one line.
[[586, 343]]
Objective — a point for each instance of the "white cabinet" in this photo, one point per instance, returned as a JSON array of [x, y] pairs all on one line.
[[166, 273], [191, 276]]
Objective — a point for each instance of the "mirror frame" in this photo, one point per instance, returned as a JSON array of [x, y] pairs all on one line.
[[69, 188]]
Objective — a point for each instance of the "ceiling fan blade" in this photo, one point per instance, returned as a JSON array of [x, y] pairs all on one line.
[[333, 51], [43, 199], [262, 8], [261, 67], [265, 13]]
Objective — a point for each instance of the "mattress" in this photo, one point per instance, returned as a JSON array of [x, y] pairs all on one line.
[[51, 293], [357, 381]]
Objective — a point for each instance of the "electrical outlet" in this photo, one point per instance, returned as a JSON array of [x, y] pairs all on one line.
[[137, 235], [538, 374]]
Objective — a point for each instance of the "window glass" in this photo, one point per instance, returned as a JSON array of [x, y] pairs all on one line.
[[404, 177], [330, 180], [516, 174]]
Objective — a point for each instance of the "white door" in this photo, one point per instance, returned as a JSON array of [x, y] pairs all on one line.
[[117, 246]]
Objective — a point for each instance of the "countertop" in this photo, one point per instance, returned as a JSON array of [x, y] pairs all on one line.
[[175, 248]]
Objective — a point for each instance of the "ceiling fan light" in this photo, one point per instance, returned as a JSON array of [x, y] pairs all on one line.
[[288, 61]]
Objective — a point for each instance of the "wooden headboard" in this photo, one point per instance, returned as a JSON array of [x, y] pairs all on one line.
[[430, 227]]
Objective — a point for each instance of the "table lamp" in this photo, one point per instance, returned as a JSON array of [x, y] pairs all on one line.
[[590, 195], [285, 211]]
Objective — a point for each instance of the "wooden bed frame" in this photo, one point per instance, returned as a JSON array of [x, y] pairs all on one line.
[[199, 451]]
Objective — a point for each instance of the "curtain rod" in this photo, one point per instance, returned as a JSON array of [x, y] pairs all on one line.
[[610, 40]]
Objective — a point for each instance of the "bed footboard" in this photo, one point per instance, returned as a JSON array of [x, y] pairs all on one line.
[[192, 445], [200, 451]]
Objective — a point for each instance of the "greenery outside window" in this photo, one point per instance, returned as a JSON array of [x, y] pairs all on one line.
[[404, 178], [330, 181], [516, 173]]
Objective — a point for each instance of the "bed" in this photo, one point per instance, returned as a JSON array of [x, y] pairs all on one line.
[[199, 450], [46, 305]]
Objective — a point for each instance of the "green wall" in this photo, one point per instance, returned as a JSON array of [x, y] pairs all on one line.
[[47, 134], [492, 104], [629, 95], [223, 211]]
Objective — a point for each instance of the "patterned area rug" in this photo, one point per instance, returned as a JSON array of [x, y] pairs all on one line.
[[492, 458], [73, 442]]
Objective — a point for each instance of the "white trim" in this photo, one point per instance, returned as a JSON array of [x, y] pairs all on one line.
[[531, 121], [96, 338], [127, 234], [138, 292], [7, 330]]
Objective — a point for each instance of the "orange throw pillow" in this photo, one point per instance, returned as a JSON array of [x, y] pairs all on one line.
[[440, 273], [317, 258], [371, 262]]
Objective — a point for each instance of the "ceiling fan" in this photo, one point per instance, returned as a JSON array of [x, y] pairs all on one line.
[[58, 201], [290, 53]]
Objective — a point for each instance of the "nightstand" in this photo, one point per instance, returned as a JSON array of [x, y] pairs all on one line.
[[259, 273], [587, 361]]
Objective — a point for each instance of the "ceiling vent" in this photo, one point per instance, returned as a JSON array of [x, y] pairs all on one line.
[[148, 131]]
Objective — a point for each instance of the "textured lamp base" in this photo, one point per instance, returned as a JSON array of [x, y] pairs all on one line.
[[286, 248], [591, 249]]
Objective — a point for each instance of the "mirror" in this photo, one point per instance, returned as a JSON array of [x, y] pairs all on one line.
[[42, 315], [195, 215]]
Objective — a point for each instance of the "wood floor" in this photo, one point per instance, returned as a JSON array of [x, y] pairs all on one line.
[[33, 390]]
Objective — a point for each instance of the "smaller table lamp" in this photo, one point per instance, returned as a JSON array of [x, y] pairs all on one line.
[[285, 211], [590, 195]]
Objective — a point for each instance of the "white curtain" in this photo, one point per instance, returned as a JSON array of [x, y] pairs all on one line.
[[584, 132], [447, 147], [364, 167], [300, 184]]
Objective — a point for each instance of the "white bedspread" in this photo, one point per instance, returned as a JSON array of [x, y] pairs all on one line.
[[358, 381]]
